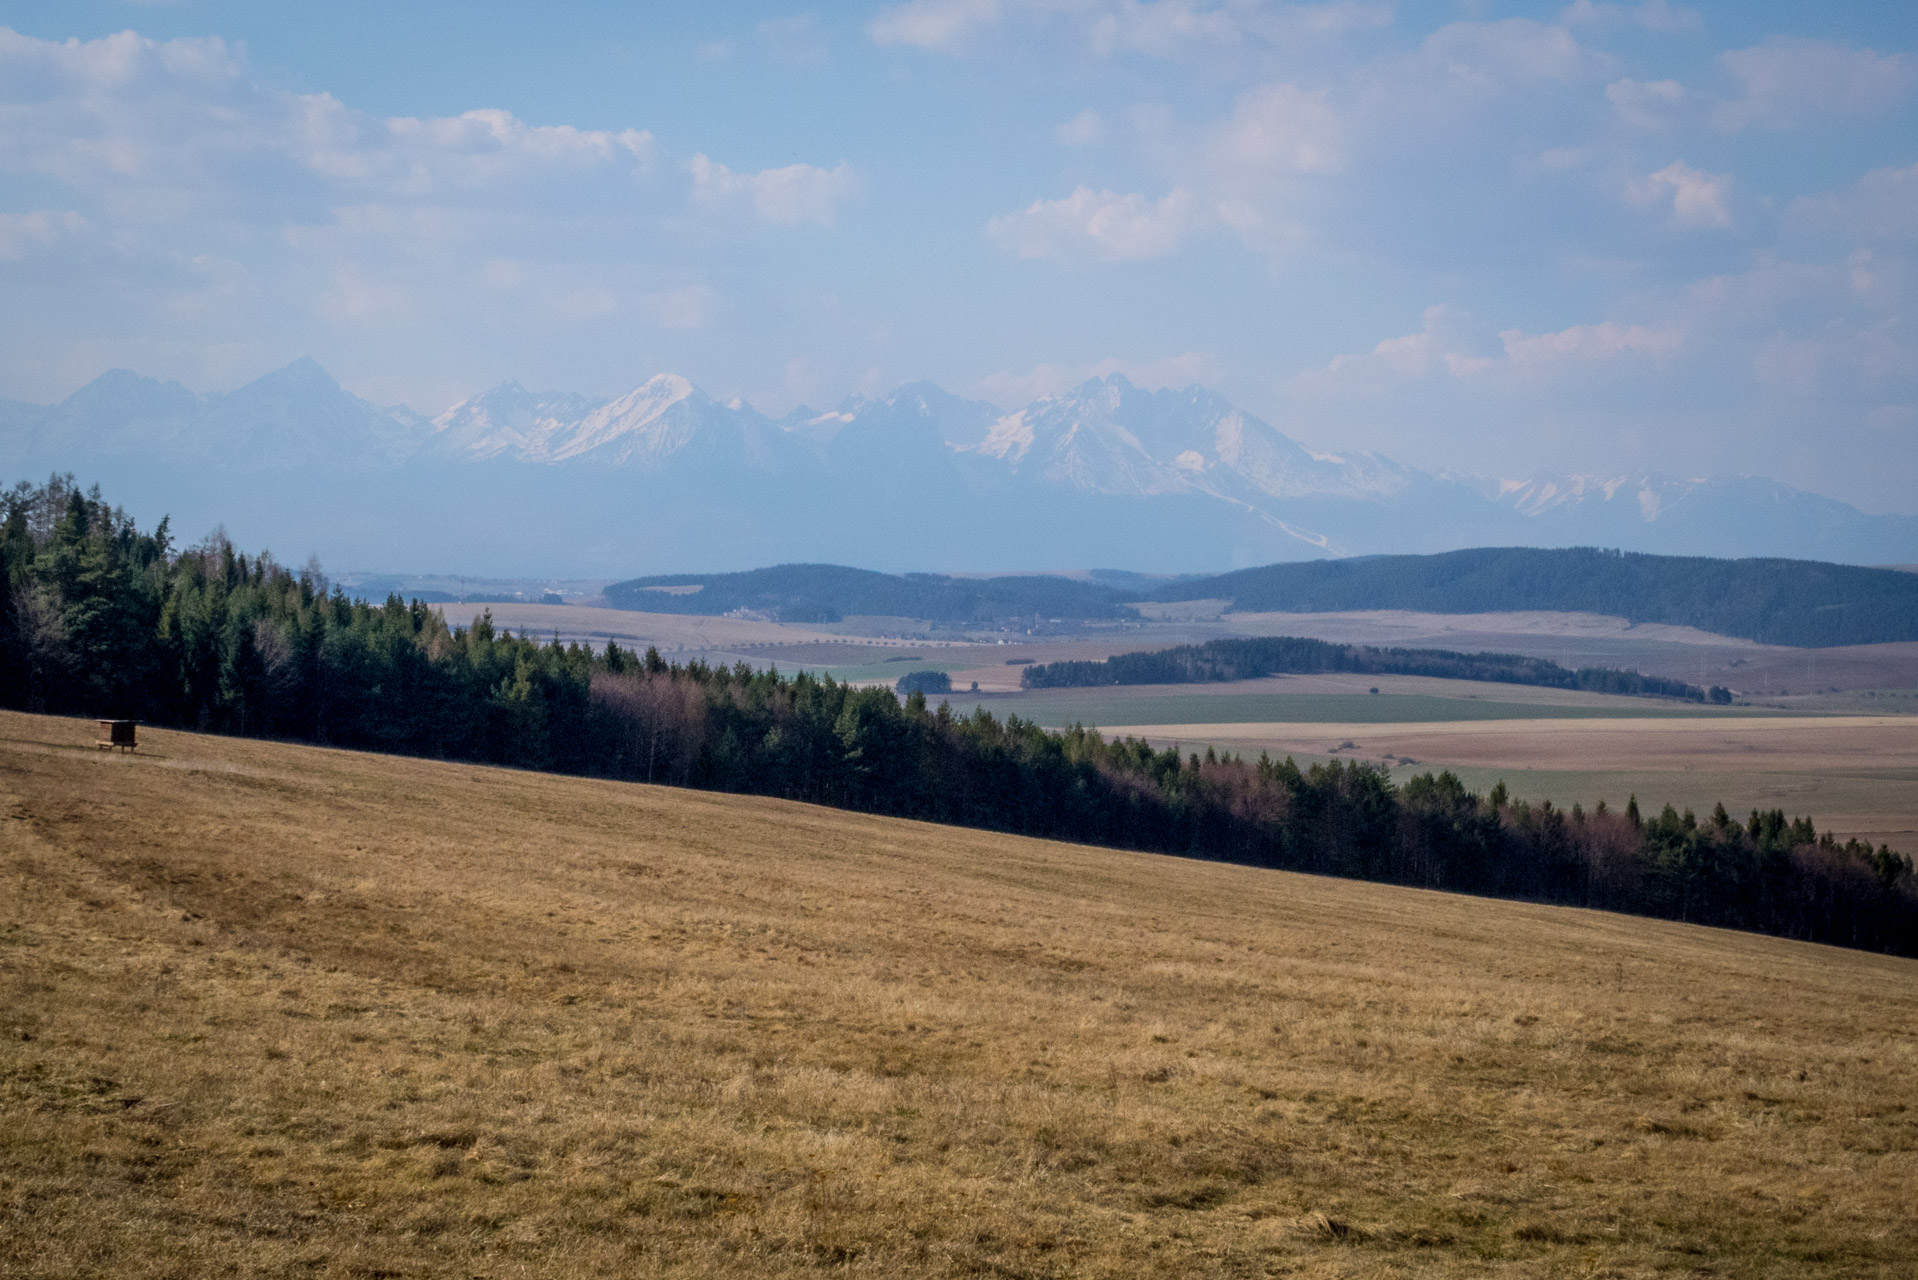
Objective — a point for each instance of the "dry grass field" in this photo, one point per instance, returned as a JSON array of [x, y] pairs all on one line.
[[279, 1011], [1857, 775]]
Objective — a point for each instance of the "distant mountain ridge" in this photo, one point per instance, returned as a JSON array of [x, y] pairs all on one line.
[[665, 476]]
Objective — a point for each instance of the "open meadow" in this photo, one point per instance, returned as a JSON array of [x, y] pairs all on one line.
[[1857, 775], [277, 1010]]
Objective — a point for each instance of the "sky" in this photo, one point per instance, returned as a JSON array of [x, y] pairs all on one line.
[[1495, 238]]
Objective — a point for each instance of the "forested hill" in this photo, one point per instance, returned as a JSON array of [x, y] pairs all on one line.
[[1252, 658], [829, 592], [1789, 602]]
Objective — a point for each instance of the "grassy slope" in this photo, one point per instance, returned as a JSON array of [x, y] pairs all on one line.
[[276, 1010]]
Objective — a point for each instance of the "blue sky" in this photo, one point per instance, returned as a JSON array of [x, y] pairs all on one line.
[[1498, 238]]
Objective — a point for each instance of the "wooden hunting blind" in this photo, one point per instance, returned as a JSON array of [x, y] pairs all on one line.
[[116, 733]]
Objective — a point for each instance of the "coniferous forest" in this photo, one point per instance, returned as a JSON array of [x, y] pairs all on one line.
[[100, 618]]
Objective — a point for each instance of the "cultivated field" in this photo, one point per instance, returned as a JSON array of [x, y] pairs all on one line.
[[1856, 775], [274, 1010], [1398, 699], [1858, 678]]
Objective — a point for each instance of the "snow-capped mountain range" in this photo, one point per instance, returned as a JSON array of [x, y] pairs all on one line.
[[665, 477]]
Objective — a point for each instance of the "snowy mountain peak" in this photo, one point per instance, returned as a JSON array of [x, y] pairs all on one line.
[[1181, 477], [505, 421], [1651, 492], [639, 423], [1009, 439]]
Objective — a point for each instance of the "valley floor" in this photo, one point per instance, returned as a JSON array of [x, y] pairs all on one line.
[[278, 1010], [1856, 775]]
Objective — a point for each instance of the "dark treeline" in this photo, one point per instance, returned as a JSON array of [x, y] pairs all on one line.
[[99, 618], [1249, 659]]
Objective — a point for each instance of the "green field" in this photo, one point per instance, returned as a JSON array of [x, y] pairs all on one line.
[[1136, 706]]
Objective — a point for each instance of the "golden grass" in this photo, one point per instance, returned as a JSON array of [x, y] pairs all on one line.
[[273, 1010], [1855, 775]]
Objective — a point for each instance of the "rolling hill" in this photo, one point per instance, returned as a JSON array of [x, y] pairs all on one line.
[[276, 1009], [1788, 602]]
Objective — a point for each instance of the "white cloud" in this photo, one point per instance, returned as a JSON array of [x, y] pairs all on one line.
[[1249, 171], [1155, 28], [1513, 51], [232, 224], [1883, 205], [1276, 128], [1168, 28], [1086, 129], [22, 233], [1588, 344], [1696, 198], [786, 196], [1645, 104], [1161, 27], [1444, 346], [1790, 82], [943, 26], [1440, 344], [475, 149], [1097, 224], [1653, 15], [1335, 19], [162, 130]]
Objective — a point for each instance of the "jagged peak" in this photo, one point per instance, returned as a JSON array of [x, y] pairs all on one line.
[[303, 374], [117, 384]]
